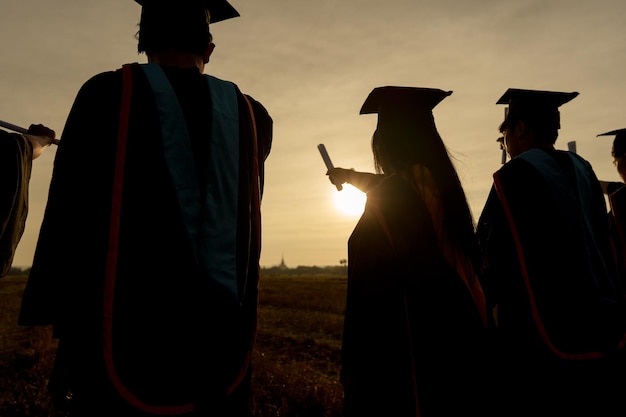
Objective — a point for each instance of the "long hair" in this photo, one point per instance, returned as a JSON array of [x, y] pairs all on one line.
[[400, 145]]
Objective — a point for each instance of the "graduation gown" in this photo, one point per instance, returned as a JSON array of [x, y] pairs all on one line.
[[617, 228], [557, 315], [178, 337], [413, 340], [16, 160]]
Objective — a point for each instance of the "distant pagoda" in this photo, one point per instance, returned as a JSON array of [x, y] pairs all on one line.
[[282, 264]]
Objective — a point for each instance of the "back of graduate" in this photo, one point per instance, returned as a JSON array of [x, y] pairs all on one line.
[[414, 341], [558, 315], [147, 260]]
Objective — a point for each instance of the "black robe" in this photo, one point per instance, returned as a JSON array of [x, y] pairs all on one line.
[[549, 284], [617, 229], [414, 337], [16, 160], [177, 338]]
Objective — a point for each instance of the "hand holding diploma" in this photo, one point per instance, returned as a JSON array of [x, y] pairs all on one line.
[[40, 137], [39, 130]]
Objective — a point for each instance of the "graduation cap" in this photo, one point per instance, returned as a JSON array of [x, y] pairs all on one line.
[[397, 104], [218, 9], [537, 107], [619, 143]]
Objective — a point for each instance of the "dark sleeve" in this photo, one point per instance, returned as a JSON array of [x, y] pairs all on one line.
[[497, 249], [599, 224], [264, 129], [16, 156], [613, 186], [70, 244]]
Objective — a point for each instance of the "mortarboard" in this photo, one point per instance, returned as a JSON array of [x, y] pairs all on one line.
[[619, 143], [538, 107], [403, 103], [218, 9]]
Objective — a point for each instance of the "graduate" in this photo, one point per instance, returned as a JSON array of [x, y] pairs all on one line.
[[415, 320], [555, 311], [147, 263]]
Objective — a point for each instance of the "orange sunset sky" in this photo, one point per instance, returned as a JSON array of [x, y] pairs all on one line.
[[312, 64]]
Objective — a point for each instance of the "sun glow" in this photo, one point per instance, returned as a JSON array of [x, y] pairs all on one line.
[[350, 201]]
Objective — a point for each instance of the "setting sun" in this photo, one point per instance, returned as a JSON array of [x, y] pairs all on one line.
[[350, 201]]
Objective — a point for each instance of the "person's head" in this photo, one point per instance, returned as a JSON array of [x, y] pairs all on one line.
[[406, 136], [532, 118], [618, 151], [180, 25]]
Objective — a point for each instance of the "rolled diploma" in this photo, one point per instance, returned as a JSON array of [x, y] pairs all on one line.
[[327, 161], [571, 146]]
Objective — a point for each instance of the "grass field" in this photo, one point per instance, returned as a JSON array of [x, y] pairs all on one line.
[[295, 363]]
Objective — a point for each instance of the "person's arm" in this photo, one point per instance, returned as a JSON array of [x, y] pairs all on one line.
[[364, 181]]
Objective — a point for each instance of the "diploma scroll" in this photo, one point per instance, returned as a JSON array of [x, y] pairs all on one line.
[[327, 162], [571, 146], [19, 129]]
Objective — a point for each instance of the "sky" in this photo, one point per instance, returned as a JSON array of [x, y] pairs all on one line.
[[312, 64]]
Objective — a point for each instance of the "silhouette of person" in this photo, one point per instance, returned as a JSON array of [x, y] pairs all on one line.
[[617, 200], [414, 330], [556, 312], [147, 263], [17, 152]]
